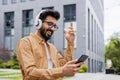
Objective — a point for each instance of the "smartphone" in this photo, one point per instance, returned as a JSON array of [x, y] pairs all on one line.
[[82, 58]]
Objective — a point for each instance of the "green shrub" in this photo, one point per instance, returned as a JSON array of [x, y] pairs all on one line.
[[15, 67], [15, 61], [12, 63], [1, 61], [83, 69], [9, 64], [2, 64]]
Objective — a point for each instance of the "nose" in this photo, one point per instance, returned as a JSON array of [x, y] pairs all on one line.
[[53, 28]]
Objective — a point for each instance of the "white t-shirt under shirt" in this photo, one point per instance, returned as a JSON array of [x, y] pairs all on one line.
[[50, 64]]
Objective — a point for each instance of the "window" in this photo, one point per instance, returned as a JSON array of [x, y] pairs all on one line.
[[27, 22], [88, 29], [89, 67], [48, 8], [32, 0], [69, 12], [70, 16], [4, 2], [95, 67], [22, 0], [95, 36], [9, 30], [92, 33], [92, 66], [13, 1]]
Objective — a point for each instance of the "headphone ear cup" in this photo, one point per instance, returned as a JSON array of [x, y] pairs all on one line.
[[39, 24]]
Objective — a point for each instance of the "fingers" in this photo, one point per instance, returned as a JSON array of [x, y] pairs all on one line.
[[78, 64], [77, 69], [71, 26], [72, 32], [70, 29], [70, 68], [72, 62], [74, 67], [65, 31]]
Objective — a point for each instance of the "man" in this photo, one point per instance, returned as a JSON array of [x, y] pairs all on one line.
[[39, 59]]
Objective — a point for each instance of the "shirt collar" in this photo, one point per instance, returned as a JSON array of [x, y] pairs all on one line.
[[39, 38]]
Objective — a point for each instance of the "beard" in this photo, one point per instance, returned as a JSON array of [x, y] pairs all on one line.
[[46, 33]]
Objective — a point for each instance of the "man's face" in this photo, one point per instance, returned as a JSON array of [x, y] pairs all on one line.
[[48, 27]]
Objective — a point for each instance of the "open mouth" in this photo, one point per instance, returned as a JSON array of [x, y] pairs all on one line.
[[49, 33]]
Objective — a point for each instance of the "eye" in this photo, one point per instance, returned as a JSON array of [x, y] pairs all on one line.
[[50, 23]]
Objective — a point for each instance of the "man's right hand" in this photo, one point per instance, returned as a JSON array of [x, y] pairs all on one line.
[[70, 68]]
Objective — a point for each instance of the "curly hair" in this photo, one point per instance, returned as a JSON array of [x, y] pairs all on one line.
[[49, 12]]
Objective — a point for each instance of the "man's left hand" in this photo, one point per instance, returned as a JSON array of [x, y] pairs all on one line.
[[70, 34]]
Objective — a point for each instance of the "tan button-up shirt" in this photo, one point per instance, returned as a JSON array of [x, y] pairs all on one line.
[[33, 60]]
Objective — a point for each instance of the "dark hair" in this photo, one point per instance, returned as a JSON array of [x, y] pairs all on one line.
[[49, 12]]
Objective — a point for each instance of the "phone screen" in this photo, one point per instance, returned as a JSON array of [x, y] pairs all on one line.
[[82, 58]]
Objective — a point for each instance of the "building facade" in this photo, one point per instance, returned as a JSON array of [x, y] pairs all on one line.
[[17, 20]]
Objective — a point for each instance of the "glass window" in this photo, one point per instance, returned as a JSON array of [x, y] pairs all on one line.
[[9, 23], [7, 42], [4, 2], [70, 16], [92, 66], [22, 0], [70, 12], [9, 30], [27, 22], [92, 33], [89, 67], [88, 29], [95, 36], [48, 8], [32, 0], [13, 1]]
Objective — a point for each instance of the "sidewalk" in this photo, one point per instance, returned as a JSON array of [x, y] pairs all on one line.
[[94, 76], [9, 70], [10, 74], [78, 76]]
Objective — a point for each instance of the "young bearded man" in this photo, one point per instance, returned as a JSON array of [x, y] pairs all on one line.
[[39, 59]]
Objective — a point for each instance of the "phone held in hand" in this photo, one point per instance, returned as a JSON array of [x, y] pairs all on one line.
[[82, 58]]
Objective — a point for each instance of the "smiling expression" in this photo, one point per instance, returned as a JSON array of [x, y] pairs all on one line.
[[48, 27]]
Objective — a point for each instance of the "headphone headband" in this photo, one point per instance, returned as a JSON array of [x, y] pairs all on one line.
[[37, 18]]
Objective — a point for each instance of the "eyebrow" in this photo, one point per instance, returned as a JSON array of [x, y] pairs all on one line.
[[50, 21]]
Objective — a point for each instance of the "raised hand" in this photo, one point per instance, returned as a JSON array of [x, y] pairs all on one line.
[[70, 34]]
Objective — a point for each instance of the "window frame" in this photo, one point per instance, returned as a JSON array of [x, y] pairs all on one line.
[[4, 2]]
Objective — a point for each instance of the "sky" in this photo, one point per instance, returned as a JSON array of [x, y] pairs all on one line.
[[111, 18]]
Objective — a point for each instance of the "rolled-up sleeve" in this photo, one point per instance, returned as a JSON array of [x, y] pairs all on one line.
[[68, 54]]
